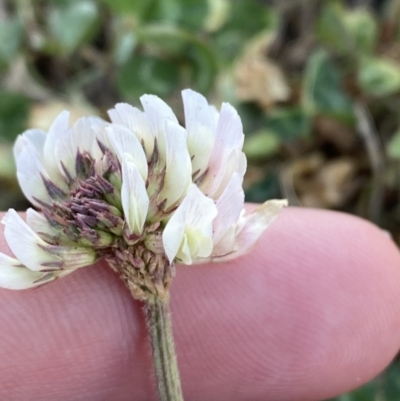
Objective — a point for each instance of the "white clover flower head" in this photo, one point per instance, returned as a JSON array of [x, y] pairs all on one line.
[[141, 191]]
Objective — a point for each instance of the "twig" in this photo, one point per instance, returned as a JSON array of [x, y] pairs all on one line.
[[367, 131]]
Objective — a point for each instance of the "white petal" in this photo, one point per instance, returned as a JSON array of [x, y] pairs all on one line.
[[127, 147], [37, 254], [101, 134], [13, 276], [229, 137], [38, 223], [36, 137], [24, 242], [135, 201], [58, 130], [200, 127], [81, 137], [188, 233], [229, 130], [229, 206], [157, 113], [252, 226], [178, 173], [29, 172], [136, 121], [41, 226]]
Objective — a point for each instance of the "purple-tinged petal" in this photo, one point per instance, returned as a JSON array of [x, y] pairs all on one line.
[[38, 255], [14, 276]]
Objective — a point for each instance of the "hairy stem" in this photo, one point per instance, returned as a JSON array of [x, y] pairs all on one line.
[[163, 349]]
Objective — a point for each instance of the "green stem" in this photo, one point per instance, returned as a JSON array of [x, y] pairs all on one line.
[[163, 349]]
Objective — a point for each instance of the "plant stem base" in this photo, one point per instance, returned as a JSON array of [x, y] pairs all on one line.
[[164, 357]]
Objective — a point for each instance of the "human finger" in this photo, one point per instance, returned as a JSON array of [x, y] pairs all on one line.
[[313, 311]]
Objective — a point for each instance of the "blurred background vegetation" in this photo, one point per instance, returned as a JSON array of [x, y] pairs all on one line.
[[316, 82]]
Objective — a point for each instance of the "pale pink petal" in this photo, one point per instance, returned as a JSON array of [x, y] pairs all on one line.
[[235, 164], [229, 206], [127, 147], [188, 233], [14, 276], [225, 245], [135, 201], [200, 127], [178, 173], [37, 254], [252, 226], [229, 137], [136, 121]]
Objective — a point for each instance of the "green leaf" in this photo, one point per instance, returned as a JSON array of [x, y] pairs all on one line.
[[125, 45], [378, 76], [289, 124], [393, 147], [249, 17], [10, 39], [218, 14], [166, 38], [322, 88], [73, 23], [133, 7], [267, 188], [261, 144], [246, 19], [7, 164], [391, 382], [188, 47], [368, 392], [253, 118], [183, 13], [331, 29], [347, 31], [203, 66], [363, 28], [149, 74], [14, 111]]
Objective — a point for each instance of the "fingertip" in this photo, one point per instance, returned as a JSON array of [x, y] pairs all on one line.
[[313, 311]]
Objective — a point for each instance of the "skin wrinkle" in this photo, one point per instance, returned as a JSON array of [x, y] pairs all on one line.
[[314, 308]]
